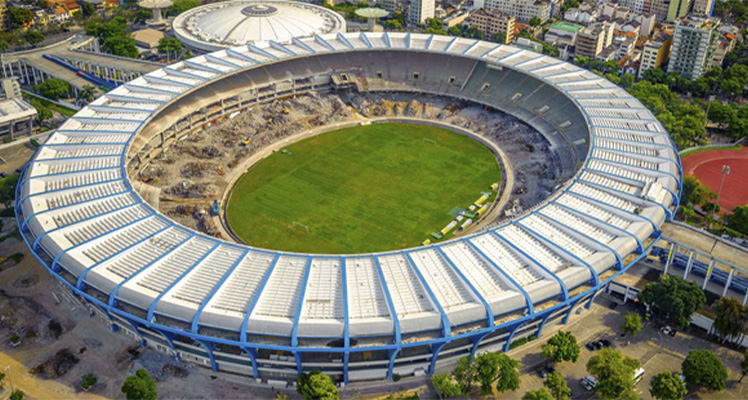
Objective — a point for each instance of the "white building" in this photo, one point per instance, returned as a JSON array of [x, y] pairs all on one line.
[[694, 42], [524, 10], [421, 10]]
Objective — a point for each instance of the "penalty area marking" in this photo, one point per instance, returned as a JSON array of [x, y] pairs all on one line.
[[432, 141], [297, 223]]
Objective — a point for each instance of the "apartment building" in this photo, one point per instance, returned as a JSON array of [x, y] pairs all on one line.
[[694, 42], [655, 51], [491, 21]]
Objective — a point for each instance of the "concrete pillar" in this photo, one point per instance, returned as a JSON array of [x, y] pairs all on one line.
[[671, 253], [708, 273], [729, 280], [626, 295], [745, 298], [688, 266]]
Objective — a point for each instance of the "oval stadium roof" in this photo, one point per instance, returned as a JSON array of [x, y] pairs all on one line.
[[80, 214]]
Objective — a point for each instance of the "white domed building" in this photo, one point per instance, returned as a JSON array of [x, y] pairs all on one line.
[[227, 24]]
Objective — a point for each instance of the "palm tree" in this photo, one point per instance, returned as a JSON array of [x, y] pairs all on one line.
[[87, 93]]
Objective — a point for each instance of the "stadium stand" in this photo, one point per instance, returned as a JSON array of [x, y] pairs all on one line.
[[273, 315]]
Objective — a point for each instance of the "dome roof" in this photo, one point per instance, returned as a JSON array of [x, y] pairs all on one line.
[[226, 24]]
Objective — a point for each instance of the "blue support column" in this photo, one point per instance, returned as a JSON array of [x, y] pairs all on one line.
[[476, 340], [392, 354], [300, 307], [252, 354], [346, 328], [489, 312], [446, 328], [509, 338], [209, 346], [542, 324], [435, 349], [568, 313]]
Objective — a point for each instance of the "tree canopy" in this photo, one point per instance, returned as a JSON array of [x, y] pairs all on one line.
[[33, 37], [392, 24], [18, 17], [694, 192], [556, 383], [738, 220], [180, 6], [561, 347], [632, 324], [540, 394], [703, 367], [743, 366], [316, 386], [88, 9], [675, 299], [53, 88], [169, 45], [615, 374], [497, 366], [121, 46], [42, 113], [731, 317], [445, 385], [465, 374], [139, 386], [667, 386]]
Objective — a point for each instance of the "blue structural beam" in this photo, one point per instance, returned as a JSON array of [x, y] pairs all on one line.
[[536, 69], [392, 354], [472, 46], [105, 214], [196, 319], [222, 61], [484, 55], [489, 312], [26, 219], [562, 285], [245, 322], [158, 79], [446, 327], [323, 42], [605, 205], [300, 305], [80, 284], [429, 41], [346, 317], [530, 61], [154, 304], [619, 260], [449, 46], [202, 67], [241, 56], [260, 51], [639, 244], [23, 199], [113, 295], [528, 301], [365, 40], [342, 38], [303, 45], [668, 212]]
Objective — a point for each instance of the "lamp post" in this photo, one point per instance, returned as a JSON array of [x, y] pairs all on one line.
[[725, 172], [7, 369]]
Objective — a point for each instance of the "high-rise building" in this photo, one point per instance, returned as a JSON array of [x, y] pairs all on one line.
[[523, 10], [703, 8], [421, 10], [490, 22], [694, 41], [389, 5], [670, 10], [655, 51], [593, 39], [636, 6]]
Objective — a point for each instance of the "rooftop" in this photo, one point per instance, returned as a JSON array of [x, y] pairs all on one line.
[[15, 109], [566, 26]]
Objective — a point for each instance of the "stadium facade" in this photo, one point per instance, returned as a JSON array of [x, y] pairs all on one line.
[[273, 314]]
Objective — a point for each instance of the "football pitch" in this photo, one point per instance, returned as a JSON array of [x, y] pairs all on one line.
[[363, 189]]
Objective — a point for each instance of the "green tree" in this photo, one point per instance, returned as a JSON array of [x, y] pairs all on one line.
[[743, 366], [556, 383], [121, 46], [19, 17], [180, 6], [142, 15], [614, 372], [694, 192], [88, 9], [667, 386], [168, 45], [540, 394], [53, 88], [535, 21], [632, 324], [493, 366], [654, 75], [316, 385], [738, 220], [731, 317], [562, 346], [33, 37], [8, 194], [116, 28], [688, 212], [444, 384], [703, 367], [465, 375], [675, 299], [723, 114], [393, 24], [499, 37], [42, 113], [4, 45], [87, 93], [139, 386], [88, 380], [627, 81], [17, 394], [187, 54]]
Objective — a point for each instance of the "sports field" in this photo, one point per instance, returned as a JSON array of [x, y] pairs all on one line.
[[363, 189]]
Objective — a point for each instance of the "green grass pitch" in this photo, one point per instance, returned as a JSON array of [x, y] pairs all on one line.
[[363, 189]]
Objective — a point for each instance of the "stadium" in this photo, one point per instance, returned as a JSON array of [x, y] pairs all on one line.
[[271, 314]]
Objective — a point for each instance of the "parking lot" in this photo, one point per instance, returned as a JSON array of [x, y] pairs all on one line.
[[655, 351]]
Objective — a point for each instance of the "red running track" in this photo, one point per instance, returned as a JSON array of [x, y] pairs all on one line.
[[707, 166]]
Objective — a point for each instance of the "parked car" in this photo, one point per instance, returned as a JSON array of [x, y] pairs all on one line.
[[590, 346], [542, 373], [613, 305], [672, 332], [549, 369], [666, 330], [589, 382], [606, 343]]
